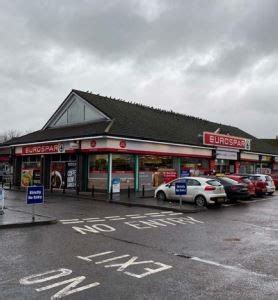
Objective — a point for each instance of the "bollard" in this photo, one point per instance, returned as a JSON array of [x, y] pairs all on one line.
[[2, 183], [111, 193], [93, 191], [77, 190], [128, 192], [10, 185], [143, 191]]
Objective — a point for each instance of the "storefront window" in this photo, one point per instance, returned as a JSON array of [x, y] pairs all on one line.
[[194, 166], [31, 171], [224, 166], [123, 170], [155, 170], [98, 171]]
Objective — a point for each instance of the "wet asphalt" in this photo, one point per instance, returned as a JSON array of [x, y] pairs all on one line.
[[138, 253]]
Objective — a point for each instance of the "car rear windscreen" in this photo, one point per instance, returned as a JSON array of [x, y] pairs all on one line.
[[213, 182], [228, 180]]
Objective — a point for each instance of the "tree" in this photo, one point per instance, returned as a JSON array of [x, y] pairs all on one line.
[[8, 135]]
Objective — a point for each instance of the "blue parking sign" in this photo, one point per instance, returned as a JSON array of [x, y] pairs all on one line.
[[181, 188], [35, 195]]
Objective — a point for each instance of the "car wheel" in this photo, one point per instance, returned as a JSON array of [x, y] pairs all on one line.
[[161, 196], [270, 194], [200, 201]]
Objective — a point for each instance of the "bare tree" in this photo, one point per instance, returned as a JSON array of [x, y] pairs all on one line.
[[8, 135]]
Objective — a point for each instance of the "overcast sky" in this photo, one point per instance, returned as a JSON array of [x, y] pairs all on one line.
[[217, 60]]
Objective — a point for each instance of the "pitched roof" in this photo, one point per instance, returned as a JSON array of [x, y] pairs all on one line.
[[133, 120], [272, 142]]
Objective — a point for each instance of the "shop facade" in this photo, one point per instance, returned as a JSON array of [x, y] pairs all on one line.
[[90, 143]]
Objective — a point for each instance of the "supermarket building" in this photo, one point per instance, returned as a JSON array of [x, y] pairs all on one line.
[[93, 141]]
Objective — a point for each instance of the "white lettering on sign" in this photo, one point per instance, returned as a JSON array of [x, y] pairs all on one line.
[[132, 261], [70, 283], [94, 228]]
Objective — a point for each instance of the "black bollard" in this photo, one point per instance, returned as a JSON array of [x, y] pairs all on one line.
[[93, 191], [128, 192], [143, 191], [2, 183], [77, 190]]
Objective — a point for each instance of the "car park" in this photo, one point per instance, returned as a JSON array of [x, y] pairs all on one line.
[[244, 180], [269, 183], [233, 189], [201, 191]]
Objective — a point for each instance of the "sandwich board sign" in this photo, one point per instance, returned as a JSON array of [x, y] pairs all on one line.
[[2, 199], [35, 195]]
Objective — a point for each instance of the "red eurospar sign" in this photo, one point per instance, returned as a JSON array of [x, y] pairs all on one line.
[[228, 141], [43, 149]]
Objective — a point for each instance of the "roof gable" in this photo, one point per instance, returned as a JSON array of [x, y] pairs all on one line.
[[74, 111]]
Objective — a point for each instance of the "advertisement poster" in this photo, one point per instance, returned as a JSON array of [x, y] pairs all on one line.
[[36, 176], [57, 174], [116, 185], [26, 177], [71, 175]]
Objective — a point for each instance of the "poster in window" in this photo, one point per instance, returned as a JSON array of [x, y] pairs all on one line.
[[71, 175], [57, 175], [36, 176], [26, 177]]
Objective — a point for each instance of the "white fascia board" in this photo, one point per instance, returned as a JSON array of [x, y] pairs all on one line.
[[259, 153]]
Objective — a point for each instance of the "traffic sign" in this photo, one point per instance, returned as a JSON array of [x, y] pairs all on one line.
[[181, 188], [35, 195]]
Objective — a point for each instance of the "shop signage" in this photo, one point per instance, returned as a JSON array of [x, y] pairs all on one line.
[[116, 185], [4, 158], [180, 188], [93, 143], [35, 195], [266, 158], [43, 149], [123, 144], [185, 173], [229, 155], [222, 140]]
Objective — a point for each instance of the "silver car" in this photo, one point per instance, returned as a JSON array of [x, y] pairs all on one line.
[[201, 191], [270, 186]]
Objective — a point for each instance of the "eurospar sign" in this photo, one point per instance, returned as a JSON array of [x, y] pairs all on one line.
[[228, 141], [43, 149]]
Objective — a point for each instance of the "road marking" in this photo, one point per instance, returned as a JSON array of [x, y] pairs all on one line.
[[94, 228], [112, 217], [69, 220], [88, 219], [117, 219], [139, 217], [132, 261], [166, 212], [175, 214], [258, 226], [134, 215], [99, 220], [111, 259], [150, 214], [73, 222], [154, 216]]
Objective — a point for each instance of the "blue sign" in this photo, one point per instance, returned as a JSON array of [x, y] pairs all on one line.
[[180, 188], [35, 195], [185, 173]]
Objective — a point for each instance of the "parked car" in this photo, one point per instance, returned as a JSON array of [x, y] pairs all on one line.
[[244, 180], [233, 189], [201, 191], [275, 179], [267, 180]]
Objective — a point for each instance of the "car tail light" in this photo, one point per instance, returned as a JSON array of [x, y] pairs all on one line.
[[209, 188]]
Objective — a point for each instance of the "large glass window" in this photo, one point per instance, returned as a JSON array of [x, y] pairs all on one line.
[[98, 171], [155, 170], [123, 169], [194, 166]]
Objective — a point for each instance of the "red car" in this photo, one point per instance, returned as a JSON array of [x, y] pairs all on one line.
[[275, 179], [260, 186], [244, 180]]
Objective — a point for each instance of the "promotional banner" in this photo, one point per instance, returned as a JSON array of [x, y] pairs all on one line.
[[71, 175], [26, 177], [57, 174]]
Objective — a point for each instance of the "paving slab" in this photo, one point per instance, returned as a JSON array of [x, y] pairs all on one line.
[[17, 218]]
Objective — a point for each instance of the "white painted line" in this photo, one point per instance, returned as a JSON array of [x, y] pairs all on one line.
[[72, 222], [139, 217], [153, 216], [117, 219], [69, 220], [150, 214], [88, 258], [175, 214], [88, 219], [258, 226], [111, 259], [166, 212], [100, 220], [209, 262], [112, 217], [134, 215]]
